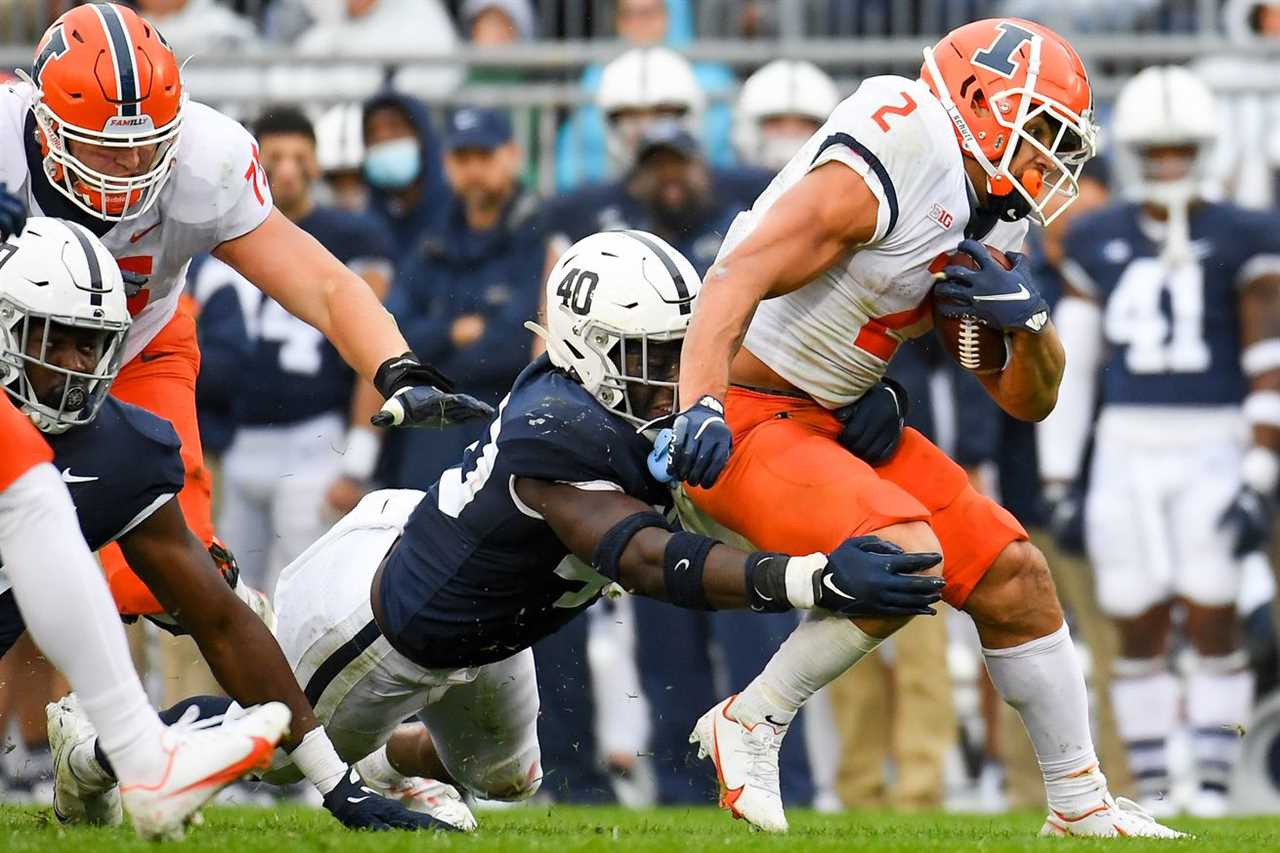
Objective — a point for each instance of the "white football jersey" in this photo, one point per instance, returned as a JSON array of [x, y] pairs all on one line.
[[833, 337], [217, 192]]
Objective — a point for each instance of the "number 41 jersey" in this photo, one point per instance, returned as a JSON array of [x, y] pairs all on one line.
[[477, 575], [1172, 332]]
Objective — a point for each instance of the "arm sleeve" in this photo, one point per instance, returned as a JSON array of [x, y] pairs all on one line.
[[1061, 437]]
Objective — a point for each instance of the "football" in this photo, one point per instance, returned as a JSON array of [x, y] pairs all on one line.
[[975, 346]]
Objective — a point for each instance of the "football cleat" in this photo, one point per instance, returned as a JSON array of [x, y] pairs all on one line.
[[1117, 817], [75, 799], [746, 761], [197, 764], [429, 797]]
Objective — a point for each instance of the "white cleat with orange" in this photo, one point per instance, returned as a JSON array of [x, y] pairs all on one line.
[[1117, 817], [199, 763], [430, 797], [746, 760]]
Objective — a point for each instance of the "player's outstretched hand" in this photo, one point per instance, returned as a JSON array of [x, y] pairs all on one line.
[[13, 214], [1002, 299], [418, 395], [868, 576], [873, 423], [700, 443], [1248, 519], [357, 806]]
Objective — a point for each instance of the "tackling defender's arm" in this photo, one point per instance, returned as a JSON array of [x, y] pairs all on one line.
[[864, 576]]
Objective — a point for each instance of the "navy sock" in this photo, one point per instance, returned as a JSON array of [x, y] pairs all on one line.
[[209, 706]]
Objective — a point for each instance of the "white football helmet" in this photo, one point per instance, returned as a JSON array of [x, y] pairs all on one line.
[[784, 87], [618, 305], [340, 138], [57, 273], [646, 79], [1164, 105]]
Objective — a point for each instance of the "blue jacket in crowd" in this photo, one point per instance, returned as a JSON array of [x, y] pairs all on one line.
[[406, 227]]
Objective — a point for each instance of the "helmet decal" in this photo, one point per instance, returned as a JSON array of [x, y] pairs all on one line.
[[999, 57]]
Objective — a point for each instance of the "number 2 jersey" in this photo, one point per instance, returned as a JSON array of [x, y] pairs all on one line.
[[477, 575], [1172, 334], [833, 337], [216, 192]]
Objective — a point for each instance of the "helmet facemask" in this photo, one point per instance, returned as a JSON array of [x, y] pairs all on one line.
[[25, 345]]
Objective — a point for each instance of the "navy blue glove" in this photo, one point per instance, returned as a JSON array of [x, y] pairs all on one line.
[[359, 807], [1248, 519], [1066, 517], [418, 395], [1003, 299], [13, 214], [873, 423], [700, 443], [868, 576]]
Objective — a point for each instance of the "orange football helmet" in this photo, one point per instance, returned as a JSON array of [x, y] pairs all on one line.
[[105, 77], [994, 77]]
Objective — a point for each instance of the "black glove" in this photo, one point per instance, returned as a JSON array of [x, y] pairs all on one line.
[[873, 423], [868, 576], [1248, 518], [1065, 517], [13, 214], [359, 807], [700, 443], [418, 395], [1002, 299]]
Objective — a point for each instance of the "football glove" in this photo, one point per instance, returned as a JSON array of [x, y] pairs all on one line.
[[357, 806], [1065, 517], [700, 443], [418, 395], [873, 423], [1002, 299], [13, 214], [869, 576], [1248, 520]]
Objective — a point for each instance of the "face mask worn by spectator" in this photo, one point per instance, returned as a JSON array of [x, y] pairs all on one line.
[[394, 164]]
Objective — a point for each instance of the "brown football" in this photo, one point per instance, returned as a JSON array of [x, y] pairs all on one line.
[[975, 346]]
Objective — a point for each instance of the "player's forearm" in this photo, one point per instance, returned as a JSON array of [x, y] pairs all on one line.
[[643, 572], [363, 331], [1028, 388], [725, 307], [1260, 358]]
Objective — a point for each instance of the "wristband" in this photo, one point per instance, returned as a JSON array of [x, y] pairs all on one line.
[[319, 761], [1262, 408], [802, 574], [766, 582], [1260, 470], [683, 562], [392, 369], [361, 456]]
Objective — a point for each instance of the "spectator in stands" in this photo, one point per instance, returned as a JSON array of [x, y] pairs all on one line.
[[340, 153], [370, 28], [462, 296], [199, 26], [494, 23], [402, 167], [779, 107], [289, 460], [581, 148]]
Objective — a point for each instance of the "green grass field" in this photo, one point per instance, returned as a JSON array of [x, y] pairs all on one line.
[[285, 830]]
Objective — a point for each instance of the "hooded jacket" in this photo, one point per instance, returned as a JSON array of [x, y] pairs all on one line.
[[406, 227]]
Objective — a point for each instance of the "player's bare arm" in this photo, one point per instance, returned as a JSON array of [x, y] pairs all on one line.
[[828, 212], [239, 648], [1028, 388], [1260, 341], [864, 576]]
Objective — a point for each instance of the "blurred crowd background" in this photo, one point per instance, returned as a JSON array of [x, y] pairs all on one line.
[[448, 150]]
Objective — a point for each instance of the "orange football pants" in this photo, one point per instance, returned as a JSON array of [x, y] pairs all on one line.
[[162, 380], [21, 445], [791, 487]]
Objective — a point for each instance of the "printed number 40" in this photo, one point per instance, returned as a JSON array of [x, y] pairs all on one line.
[[577, 290]]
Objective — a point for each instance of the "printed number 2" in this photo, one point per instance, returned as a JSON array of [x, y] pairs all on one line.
[[577, 289], [906, 108]]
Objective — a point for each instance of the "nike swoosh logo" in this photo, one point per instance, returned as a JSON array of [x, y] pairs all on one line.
[[138, 235], [682, 565], [150, 356], [68, 477], [771, 721], [826, 581], [1021, 295], [354, 800]]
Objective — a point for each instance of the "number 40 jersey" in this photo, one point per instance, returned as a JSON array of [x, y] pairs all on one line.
[[1172, 332]]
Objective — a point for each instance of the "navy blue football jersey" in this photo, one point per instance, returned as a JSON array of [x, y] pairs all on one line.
[[1172, 335], [608, 207], [478, 576], [120, 469], [294, 373]]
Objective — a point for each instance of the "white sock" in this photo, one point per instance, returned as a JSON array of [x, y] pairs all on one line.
[[376, 769], [1145, 698], [818, 651], [1219, 696], [1043, 682], [68, 610]]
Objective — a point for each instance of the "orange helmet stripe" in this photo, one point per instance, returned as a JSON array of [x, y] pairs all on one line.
[[122, 57]]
